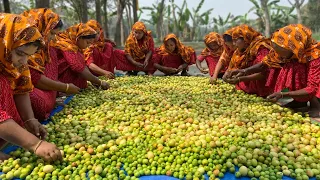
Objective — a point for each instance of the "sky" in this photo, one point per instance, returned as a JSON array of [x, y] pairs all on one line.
[[220, 7]]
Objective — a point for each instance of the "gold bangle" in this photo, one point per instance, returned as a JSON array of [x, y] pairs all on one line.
[[37, 146], [67, 87], [32, 119]]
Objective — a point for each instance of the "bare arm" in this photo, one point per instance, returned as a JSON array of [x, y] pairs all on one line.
[[148, 56], [86, 74], [50, 85], [218, 69], [252, 77], [98, 70], [12, 132], [23, 105]]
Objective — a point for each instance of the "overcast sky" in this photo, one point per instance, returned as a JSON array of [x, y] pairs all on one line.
[[221, 7]]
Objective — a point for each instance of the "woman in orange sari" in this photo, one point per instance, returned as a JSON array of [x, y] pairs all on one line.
[[20, 38], [297, 56], [173, 57], [44, 71], [67, 49], [252, 47], [99, 56], [138, 51], [214, 49]]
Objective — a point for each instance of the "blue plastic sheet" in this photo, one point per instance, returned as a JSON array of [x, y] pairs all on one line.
[[227, 176]]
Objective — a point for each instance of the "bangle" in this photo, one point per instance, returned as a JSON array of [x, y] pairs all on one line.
[[100, 83], [32, 119], [281, 95], [67, 87], [238, 79], [37, 146]]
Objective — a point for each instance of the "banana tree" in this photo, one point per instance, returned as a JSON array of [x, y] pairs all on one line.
[[281, 16], [198, 19], [220, 24], [182, 18], [156, 17]]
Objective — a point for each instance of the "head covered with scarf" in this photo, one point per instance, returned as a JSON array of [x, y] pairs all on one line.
[[185, 52], [132, 46], [67, 40], [16, 31], [297, 39], [213, 37], [100, 43], [45, 20], [254, 40], [228, 52]]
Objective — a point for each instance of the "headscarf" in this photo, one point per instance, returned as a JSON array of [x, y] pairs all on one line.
[[227, 53], [100, 43], [132, 46], [296, 38], [15, 31], [67, 40], [209, 38], [255, 40], [185, 52], [46, 20]]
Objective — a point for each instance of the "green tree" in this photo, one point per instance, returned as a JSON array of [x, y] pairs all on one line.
[[311, 14], [198, 19], [297, 4], [42, 3]]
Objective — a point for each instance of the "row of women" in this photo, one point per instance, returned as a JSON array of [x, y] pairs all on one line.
[[37, 61]]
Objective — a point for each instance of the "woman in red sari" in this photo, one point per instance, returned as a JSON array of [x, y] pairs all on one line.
[[252, 47], [226, 55], [214, 49], [138, 51], [67, 49], [297, 56], [44, 72], [173, 57], [99, 56], [19, 38]]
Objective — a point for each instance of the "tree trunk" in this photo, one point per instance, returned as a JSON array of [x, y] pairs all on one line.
[[299, 14], [129, 16], [175, 23], [122, 32], [120, 6], [84, 8], [264, 5], [42, 3], [98, 11], [6, 5], [105, 10], [160, 21], [135, 10], [1, 7]]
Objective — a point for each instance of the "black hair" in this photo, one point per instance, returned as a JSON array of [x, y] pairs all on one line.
[[59, 25], [227, 38], [36, 43], [92, 36]]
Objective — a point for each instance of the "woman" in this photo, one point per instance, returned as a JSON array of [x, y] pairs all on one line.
[[252, 47], [68, 46], [138, 51], [19, 39], [99, 56], [296, 55], [214, 48], [44, 72], [225, 57], [173, 57]]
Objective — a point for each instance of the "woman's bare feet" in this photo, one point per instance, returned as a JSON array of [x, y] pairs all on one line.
[[4, 156]]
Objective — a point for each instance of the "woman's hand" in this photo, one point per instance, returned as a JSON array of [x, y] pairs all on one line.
[[275, 96], [34, 127], [48, 151], [72, 89]]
